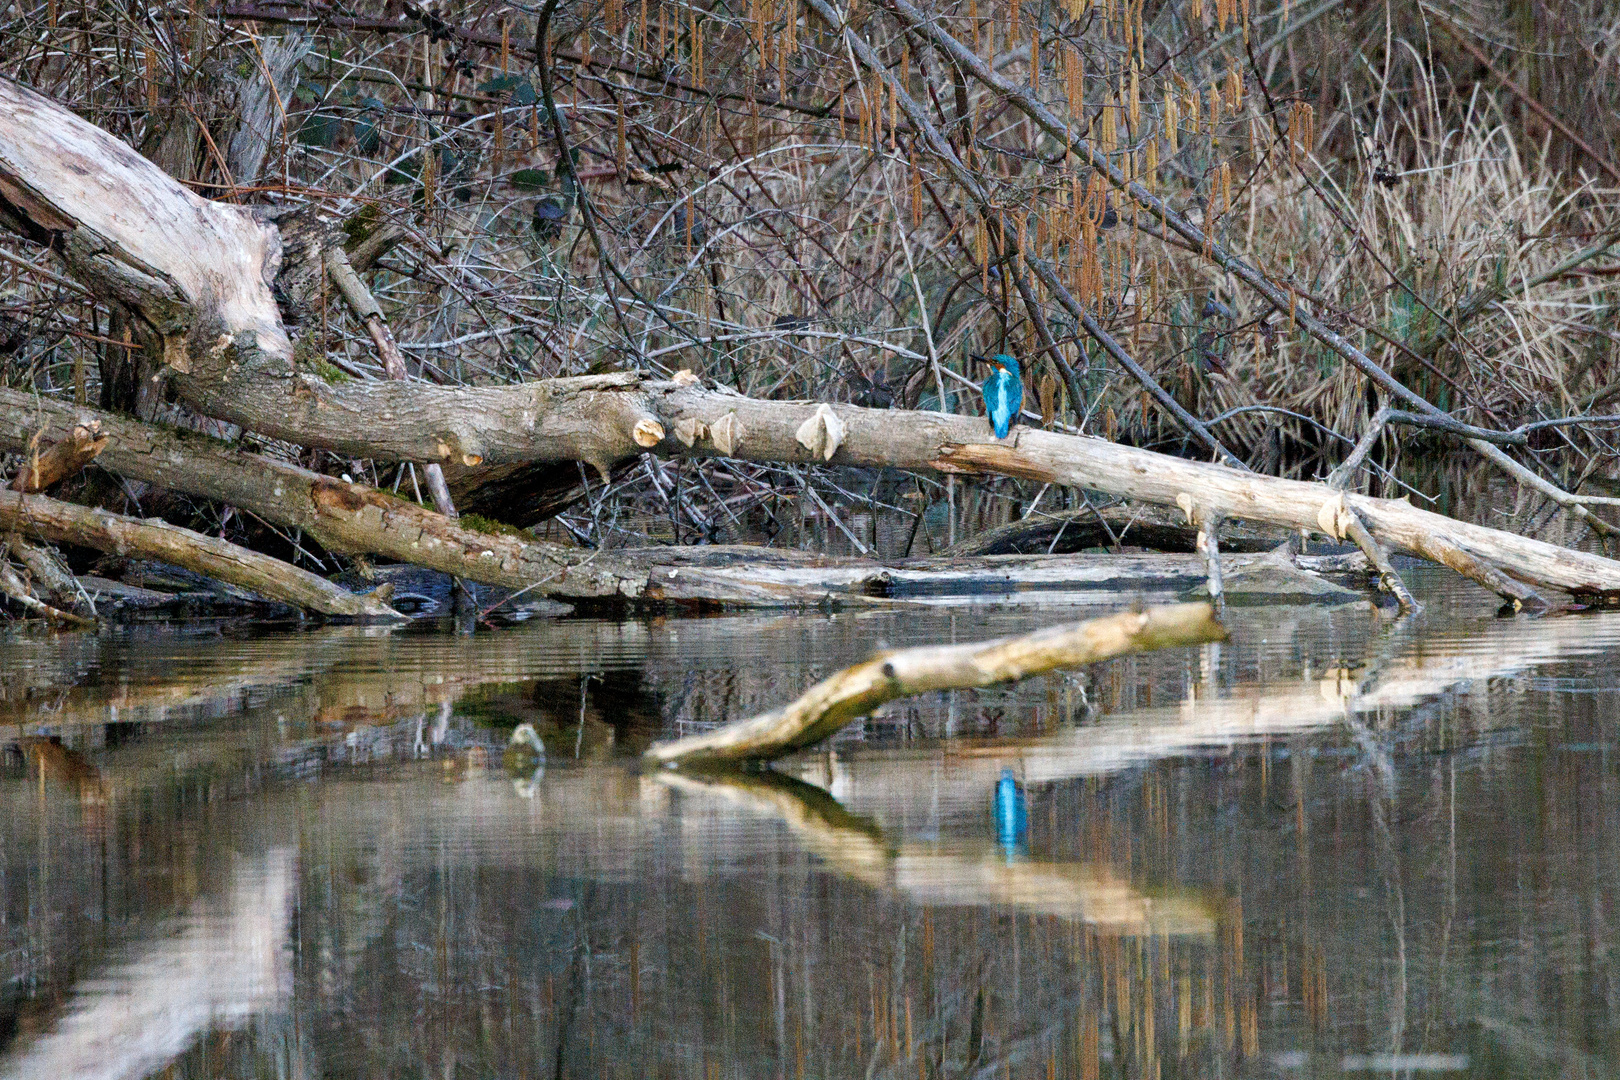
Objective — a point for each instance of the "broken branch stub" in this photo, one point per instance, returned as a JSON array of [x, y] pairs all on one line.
[[826, 707], [61, 459]]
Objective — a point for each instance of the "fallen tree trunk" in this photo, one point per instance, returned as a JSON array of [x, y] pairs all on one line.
[[61, 522], [199, 275], [357, 519], [826, 707]]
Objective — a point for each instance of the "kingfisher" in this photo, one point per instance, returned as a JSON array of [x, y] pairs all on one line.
[[1012, 819], [1003, 392]]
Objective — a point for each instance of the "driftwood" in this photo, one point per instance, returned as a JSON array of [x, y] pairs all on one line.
[[13, 586], [355, 518], [48, 578], [826, 707], [61, 522], [199, 276]]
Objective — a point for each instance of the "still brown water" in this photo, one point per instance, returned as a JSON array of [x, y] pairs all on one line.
[[1340, 845]]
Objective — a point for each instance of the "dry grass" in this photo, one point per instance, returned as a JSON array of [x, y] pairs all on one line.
[[813, 249]]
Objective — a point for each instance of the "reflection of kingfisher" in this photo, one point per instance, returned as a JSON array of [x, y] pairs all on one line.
[[1012, 820], [1003, 393]]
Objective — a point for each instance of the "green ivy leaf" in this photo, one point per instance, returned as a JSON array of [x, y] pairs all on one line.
[[500, 84]]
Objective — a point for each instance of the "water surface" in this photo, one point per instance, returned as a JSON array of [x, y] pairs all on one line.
[[1339, 845]]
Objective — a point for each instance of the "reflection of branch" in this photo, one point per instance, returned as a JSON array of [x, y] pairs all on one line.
[[826, 707], [853, 846], [217, 966], [1473, 653]]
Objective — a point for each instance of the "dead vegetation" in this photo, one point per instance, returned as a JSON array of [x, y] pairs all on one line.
[[830, 204]]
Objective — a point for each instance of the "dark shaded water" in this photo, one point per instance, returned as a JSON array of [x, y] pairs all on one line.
[[1338, 845]]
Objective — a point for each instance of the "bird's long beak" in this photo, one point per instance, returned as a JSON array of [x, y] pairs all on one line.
[[987, 360]]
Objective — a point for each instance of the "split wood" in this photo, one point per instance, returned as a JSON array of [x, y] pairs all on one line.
[[61, 459]]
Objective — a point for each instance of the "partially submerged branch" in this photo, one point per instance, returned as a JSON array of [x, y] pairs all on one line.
[[826, 707]]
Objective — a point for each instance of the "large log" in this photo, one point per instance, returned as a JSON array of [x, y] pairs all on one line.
[[199, 275], [358, 519]]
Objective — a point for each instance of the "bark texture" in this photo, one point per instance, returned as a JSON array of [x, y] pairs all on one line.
[[61, 522], [355, 518]]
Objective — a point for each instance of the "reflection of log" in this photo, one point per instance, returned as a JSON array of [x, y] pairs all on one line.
[[65, 766], [856, 691], [199, 275], [220, 965], [41, 516], [366, 672], [854, 846], [900, 779]]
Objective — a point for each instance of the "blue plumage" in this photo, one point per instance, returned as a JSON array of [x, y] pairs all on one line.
[[1003, 393], [1012, 819]]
